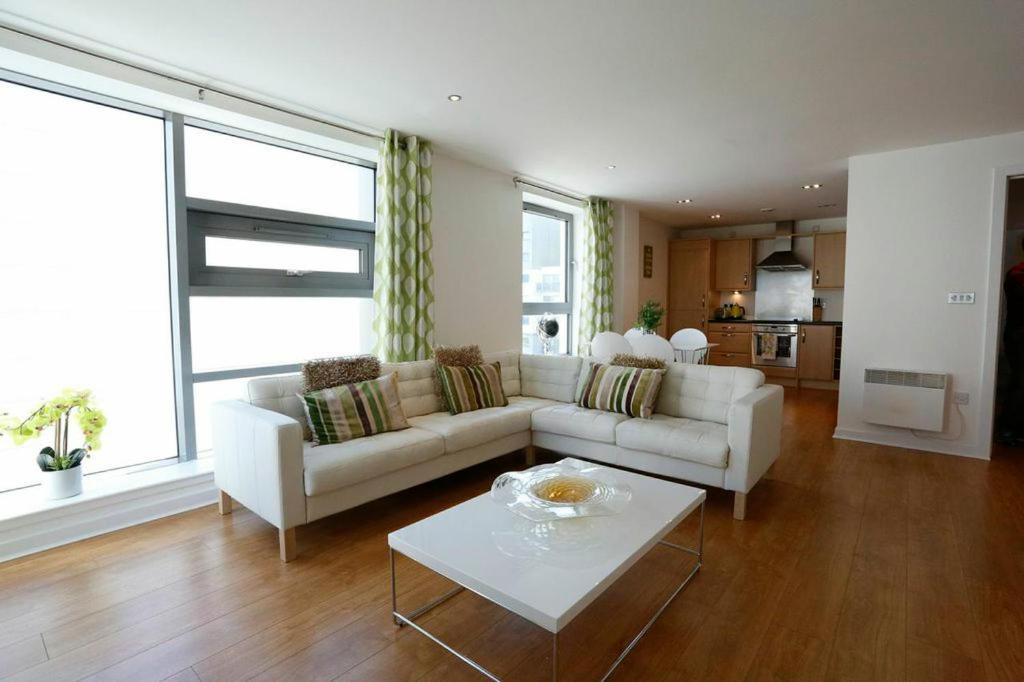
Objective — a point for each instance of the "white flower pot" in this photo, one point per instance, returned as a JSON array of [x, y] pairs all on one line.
[[60, 484]]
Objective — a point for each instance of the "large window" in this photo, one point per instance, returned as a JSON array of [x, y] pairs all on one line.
[[280, 246], [83, 273], [547, 276], [162, 263]]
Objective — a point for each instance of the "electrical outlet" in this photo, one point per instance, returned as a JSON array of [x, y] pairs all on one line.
[[960, 297], [961, 398]]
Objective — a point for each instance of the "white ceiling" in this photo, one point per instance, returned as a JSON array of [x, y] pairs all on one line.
[[735, 104]]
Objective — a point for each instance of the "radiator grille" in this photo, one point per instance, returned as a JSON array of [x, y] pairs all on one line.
[[898, 377]]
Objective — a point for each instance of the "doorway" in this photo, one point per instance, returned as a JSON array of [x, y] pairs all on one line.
[[1009, 398]]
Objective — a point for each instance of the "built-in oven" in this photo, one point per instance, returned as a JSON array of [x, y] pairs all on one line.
[[774, 345]]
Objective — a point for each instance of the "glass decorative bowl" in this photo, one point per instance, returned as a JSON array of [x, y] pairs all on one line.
[[567, 489]]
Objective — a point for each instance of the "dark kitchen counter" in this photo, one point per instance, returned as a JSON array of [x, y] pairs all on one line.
[[832, 323]]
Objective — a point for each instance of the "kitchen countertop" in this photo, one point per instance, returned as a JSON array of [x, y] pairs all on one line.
[[834, 323]]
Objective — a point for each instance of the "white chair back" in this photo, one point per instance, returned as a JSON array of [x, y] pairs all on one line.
[[653, 346], [607, 344], [690, 345], [634, 333]]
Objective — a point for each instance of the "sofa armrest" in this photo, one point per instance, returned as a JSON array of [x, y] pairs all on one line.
[[755, 437], [258, 461]]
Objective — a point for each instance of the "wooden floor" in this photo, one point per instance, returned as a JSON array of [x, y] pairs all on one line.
[[855, 562]]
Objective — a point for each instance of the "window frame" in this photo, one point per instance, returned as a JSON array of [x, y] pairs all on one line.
[[254, 223], [186, 272], [559, 307]]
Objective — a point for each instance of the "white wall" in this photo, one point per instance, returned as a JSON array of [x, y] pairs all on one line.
[[478, 256], [626, 266], [919, 226], [657, 235]]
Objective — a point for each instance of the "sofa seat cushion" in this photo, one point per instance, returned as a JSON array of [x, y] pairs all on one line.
[[578, 422], [525, 402], [332, 467], [689, 439], [469, 429]]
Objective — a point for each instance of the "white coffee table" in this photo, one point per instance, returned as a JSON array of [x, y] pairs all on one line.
[[529, 570]]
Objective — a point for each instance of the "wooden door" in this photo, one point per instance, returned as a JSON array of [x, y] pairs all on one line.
[[829, 260], [814, 357], [734, 265], [689, 274]]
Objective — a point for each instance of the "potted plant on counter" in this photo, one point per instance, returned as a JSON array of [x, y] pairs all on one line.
[[649, 317], [62, 468]]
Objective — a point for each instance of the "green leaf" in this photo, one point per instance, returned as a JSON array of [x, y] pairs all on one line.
[[46, 461], [76, 456]]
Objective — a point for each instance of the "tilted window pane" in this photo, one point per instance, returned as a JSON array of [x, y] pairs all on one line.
[[251, 253], [84, 275], [223, 167]]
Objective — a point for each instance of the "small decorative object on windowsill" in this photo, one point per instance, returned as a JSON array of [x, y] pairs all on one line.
[[547, 330], [649, 317], [62, 469]]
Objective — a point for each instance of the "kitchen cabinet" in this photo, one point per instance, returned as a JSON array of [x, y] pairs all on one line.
[[829, 261], [689, 281], [734, 265], [729, 359], [816, 352], [733, 339], [730, 342]]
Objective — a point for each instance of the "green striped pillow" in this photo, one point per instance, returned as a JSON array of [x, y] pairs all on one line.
[[626, 390], [472, 388], [341, 413]]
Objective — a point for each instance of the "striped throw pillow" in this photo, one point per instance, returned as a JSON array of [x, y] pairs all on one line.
[[341, 413], [472, 388], [626, 390]]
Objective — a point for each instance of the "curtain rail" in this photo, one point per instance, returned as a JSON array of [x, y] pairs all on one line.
[[561, 193], [201, 88]]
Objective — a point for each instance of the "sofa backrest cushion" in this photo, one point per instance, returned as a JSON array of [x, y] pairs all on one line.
[[510, 374], [415, 386], [278, 394], [415, 391], [553, 377], [705, 392]]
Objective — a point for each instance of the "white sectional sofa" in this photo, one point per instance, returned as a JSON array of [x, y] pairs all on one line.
[[718, 426]]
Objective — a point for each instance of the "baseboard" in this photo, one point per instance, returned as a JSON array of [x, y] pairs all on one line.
[[77, 519], [914, 443]]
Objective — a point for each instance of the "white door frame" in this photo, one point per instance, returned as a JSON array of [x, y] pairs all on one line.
[[1000, 177]]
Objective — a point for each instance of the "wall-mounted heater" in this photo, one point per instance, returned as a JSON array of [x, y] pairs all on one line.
[[911, 400]]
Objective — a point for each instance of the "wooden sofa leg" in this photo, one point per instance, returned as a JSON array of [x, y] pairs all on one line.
[[739, 506], [531, 455], [224, 503], [286, 538]]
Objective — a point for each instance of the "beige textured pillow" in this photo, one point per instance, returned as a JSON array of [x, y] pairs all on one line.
[[639, 361], [454, 356], [330, 372]]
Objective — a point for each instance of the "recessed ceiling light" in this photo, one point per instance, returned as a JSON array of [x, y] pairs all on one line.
[[826, 205], [684, 201], [716, 216], [611, 166], [454, 98], [816, 185], [767, 210]]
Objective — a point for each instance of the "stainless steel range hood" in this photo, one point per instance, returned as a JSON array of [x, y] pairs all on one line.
[[782, 259]]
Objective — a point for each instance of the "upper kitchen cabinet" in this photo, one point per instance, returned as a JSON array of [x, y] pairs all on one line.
[[689, 280], [734, 265], [829, 260]]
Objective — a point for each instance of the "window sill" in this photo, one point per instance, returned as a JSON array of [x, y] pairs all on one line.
[[109, 501]]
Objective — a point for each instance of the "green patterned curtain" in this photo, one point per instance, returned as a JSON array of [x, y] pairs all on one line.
[[403, 272], [596, 290]]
